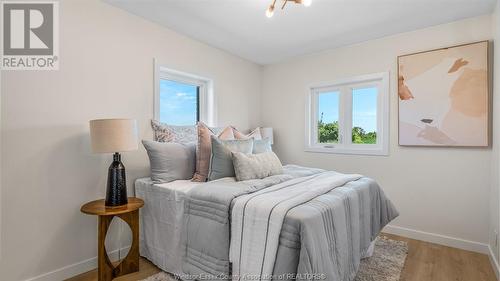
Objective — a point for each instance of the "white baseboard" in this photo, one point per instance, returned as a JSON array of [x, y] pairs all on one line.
[[76, 268], [90, 264], [494, 263], [447, 241], [438, 239]]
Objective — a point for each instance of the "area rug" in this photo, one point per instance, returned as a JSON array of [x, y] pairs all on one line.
[[386, 263]]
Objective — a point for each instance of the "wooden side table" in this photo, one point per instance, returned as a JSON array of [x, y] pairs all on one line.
[[128, 213]]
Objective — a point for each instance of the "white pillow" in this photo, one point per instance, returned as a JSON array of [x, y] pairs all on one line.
[[256, 166]]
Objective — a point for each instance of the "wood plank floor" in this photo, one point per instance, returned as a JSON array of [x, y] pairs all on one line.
[[425, 262], [432, 262], [146, 269]]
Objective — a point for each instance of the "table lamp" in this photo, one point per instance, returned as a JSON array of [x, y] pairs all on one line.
[[114, 136]]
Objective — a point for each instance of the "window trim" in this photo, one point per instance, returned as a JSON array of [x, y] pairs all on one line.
[[206, 105], [345, 145]]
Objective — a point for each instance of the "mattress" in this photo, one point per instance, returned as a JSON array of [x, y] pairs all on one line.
[[161, 221]]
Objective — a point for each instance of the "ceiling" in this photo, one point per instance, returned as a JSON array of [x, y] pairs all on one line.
[[241, 27]]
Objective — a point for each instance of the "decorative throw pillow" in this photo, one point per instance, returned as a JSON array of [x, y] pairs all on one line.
[[221, 164], [217, 130], [168, 133], [170, 161], [204, 148], [255, 134], [261, 146], [256, 166]]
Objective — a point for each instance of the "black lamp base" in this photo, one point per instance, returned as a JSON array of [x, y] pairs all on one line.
[[116, 191]]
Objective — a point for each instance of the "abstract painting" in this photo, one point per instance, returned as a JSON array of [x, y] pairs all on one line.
[[444, 97]]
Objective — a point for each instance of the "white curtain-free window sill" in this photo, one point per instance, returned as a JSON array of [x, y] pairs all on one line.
[[339, 149]]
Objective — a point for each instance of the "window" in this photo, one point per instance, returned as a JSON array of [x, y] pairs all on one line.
[[349, 116], [179, 103], [182, 99]]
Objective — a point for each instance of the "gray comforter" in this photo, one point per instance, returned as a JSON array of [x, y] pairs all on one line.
[[322, 238]]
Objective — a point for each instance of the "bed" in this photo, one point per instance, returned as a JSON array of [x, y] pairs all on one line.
[[161, 221], [304, 224]]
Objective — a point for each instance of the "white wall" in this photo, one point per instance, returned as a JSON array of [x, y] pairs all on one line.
[[106, 70], [495, 167], [438, 190]]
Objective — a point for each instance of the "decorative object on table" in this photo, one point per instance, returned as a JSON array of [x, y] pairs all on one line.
[[114, 136], [129, 213], [267, 133], [444, 97]]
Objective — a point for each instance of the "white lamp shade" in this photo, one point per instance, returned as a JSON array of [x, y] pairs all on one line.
[[267, 133], [113, 135]]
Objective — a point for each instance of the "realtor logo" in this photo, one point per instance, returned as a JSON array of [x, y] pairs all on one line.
[[30, 35]]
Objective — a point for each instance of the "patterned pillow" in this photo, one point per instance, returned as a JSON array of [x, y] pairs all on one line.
[[204, 149], [255, 134], [256, 166], [168, 133]]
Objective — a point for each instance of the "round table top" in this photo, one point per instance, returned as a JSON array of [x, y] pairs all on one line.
[[98, 207]]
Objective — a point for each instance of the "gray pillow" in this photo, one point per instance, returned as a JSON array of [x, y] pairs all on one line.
[[170, 161], [263, 145], [256, 166], [221, 164]]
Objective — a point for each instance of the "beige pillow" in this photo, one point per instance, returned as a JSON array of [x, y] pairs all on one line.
[[256, 166], [204, 149], [255, 134]]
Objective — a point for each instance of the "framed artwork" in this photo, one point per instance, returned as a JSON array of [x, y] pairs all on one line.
[[444, 97]]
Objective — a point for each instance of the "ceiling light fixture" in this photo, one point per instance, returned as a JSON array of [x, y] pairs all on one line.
[[307, 3], [270, 9]]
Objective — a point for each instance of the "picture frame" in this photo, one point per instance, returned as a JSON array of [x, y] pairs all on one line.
[[444, 97]]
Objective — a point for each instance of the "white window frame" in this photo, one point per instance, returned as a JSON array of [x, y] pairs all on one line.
[[207, 104], [345, 88]]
